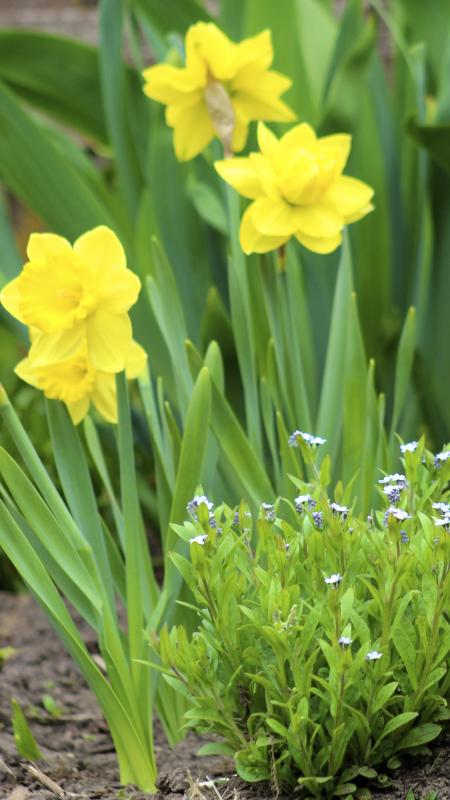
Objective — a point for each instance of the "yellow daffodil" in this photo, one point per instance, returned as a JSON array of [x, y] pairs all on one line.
[[298, 189], [76, 296], [222, 88], [78, 384]]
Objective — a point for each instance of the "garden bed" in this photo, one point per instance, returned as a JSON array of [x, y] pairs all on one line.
[[77, 749]]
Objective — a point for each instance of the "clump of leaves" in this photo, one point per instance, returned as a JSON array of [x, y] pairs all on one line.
[[323, 640]]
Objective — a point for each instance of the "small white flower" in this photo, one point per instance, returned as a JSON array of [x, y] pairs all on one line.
[[337, 509], [443, 522], [398, 513], [308, 438], [196, 502], [444, 508], [201, 539], [395, 478], [303, 500], [409, 447], [441, 458], [345, 641], [373, 655], [268, 511], [334, 580]]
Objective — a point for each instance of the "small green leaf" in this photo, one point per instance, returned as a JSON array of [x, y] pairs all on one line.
[[26, 744]]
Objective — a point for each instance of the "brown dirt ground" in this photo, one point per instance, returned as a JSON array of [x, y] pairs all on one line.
[[78, 754]]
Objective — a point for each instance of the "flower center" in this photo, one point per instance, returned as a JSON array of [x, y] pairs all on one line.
[[69, 380]]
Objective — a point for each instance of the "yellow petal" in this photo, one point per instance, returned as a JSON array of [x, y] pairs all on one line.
[[78, 410], [337, 146], [240, 133], [362, 212], [318, 245], [207, 42], [10, 298], [52, 348], [300, 136], [136, 361], [240, 173], [193, 131], [318, 221], [26, 371], [252, 241], [118, 293], [254, 107], [42, 245], [267, 141], [104, 396], [168, 84], [101, 251], [256, 51], [350, 196], [274, 217], [109, 339], [266, 175]]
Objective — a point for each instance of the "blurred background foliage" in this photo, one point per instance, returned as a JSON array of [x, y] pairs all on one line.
[[80, 145]]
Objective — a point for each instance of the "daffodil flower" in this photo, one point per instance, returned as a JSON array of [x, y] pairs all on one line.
[[298, 189], [78, 384], [74, 297], [223, 87]]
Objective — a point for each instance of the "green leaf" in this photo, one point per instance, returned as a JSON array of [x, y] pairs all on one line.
[[233, 442], [26, 744], [208, 205], [34, 169], [57, 75], [215, 749], [395, 723], [403, 369], [435, 139], [118, 97], [419, 735]]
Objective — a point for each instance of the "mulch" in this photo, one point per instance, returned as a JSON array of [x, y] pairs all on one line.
[[79, 761]]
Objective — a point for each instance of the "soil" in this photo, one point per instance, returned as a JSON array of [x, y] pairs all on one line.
[[79, 761]]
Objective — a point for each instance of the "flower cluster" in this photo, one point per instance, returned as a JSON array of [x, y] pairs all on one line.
[[75, 302], [295, 183], [306, 438]]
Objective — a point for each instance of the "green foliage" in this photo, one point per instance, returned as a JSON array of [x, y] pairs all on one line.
[[25, 742], [323, 641]]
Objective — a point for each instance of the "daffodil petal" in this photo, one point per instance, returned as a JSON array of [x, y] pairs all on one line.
[[101, 251], [337, 146], [104, 397], [10, 298], [274, 217], [136, 361], [78, 410], [252, 241], [52, 348], [349, 195], [193, 131], [213, 47], [318, 221], [319, 245], [26, 371], [109, 338], [257, 107], [119, 292], [256, 51], [168, 84], [300, 136], [42, 245], [267, 141], [240, 173], [240, 133], [266, 175]]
